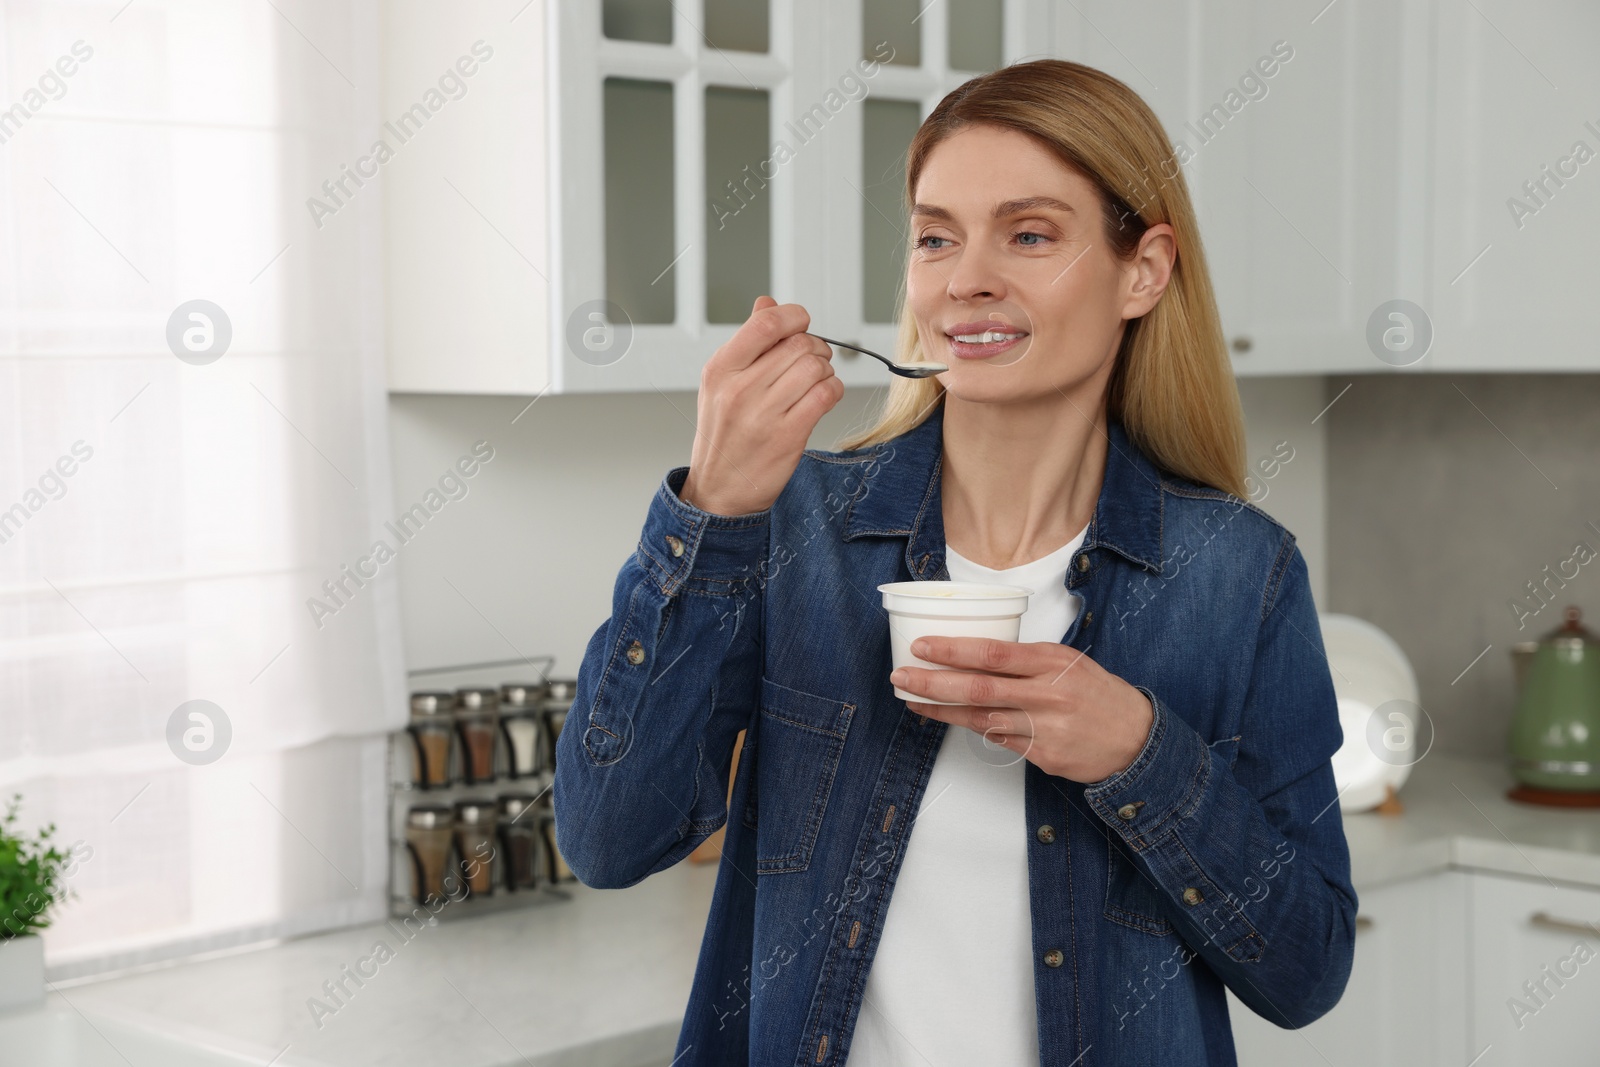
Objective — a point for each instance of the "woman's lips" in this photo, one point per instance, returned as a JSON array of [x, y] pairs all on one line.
[[1007, 340]]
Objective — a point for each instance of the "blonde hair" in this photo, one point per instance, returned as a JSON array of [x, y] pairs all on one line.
[[1172, 386]]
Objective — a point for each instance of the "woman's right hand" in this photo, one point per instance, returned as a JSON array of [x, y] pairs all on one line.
[[761, 395]]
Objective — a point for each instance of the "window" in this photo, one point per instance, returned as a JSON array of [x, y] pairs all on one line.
[[167, 515]]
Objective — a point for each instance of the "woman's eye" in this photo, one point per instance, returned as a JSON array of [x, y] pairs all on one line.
[[1027, 239]]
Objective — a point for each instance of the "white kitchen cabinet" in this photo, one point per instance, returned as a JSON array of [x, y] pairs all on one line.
[[599, 211], [1302, 138], [466, 219], [1383, 162], [1310, 195], [644, 156], [1513, 264], [1536, 972], [1453, 969], [803, 207], [1404, 1004]]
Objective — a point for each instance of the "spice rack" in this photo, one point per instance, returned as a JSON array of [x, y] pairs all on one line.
[[470, 818]]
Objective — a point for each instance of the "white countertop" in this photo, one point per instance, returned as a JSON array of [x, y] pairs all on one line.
[[1457, 815], [602, 979]]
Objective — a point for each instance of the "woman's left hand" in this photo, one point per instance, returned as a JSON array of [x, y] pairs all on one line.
[[1049, 703]]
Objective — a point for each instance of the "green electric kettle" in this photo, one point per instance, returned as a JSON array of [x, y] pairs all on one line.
[[1555, 732]]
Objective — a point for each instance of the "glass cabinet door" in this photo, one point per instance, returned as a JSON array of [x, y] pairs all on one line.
[[916, 52], [667, 192], [706, 152]]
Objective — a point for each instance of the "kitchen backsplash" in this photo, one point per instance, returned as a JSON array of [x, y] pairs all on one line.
[[1483, 490]]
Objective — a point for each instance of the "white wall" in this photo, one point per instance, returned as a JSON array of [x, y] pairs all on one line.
[[524, 563]]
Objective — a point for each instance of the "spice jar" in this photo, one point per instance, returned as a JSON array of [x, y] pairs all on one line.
[[521, 705], [430, 731], [555, 867], [521, 694], [476, 715], [475, 842], [428, 836], [519, 840], [560, 693]]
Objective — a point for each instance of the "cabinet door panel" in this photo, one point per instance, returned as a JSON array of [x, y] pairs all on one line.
[[644, 248], [1310, 177], [1403, 1004], [466, 227], [1516, 208], [1152, 48], [1535, 972], [1301, 137]]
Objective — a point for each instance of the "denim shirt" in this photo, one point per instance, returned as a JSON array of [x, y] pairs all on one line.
[[1216, 860]]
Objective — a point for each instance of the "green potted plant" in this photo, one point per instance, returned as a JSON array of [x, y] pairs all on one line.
[[32, 870]]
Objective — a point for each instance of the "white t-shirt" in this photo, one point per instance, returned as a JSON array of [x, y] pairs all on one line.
[[952, 979]]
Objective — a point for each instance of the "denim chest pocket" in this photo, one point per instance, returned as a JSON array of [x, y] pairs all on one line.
[[799, 740], [1131, 898]]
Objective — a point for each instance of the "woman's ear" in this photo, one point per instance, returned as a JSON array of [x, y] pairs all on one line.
[[1147, 275]]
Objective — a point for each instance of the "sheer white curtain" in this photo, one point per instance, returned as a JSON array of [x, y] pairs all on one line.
[[164, 521]]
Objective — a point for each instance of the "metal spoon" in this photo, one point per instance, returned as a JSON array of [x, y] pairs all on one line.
[[922, 369]]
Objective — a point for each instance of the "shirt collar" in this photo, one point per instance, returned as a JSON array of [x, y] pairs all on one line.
[[902, 499]]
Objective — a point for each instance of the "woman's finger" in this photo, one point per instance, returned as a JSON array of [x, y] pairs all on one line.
[[996, 657], [797, 382], [1000, 727], [1003, 723], [766, 327], [961, 687], [797, 350]]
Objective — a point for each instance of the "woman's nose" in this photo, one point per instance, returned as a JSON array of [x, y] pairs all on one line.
[[976, 275]]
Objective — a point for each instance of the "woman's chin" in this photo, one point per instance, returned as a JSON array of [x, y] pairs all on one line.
[[983, 384]]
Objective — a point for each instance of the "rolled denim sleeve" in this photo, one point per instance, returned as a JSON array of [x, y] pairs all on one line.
[[1252, 859], [665, 686]]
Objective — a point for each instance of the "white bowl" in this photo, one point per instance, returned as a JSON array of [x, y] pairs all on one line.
[[948, 609]]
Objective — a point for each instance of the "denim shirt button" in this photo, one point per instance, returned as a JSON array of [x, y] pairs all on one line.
[[1127, 812], [635, 653], [1083, 562], [1046, 835], [675, 544], [1053, 958], [1191, 896]]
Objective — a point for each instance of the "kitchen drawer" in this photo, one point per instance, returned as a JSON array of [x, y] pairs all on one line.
[[1403, 1006], [1535, 971]]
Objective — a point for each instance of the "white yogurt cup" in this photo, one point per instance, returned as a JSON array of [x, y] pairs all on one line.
[[948, 609]]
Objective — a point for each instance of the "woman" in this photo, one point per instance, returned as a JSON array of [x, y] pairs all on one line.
[[1117, 817]]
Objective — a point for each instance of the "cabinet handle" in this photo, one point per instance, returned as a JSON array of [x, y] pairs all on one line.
[[1242, 344], [1363, 923], [1544, 920]]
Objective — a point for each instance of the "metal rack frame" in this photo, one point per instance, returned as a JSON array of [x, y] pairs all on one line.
[[403, 794]]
